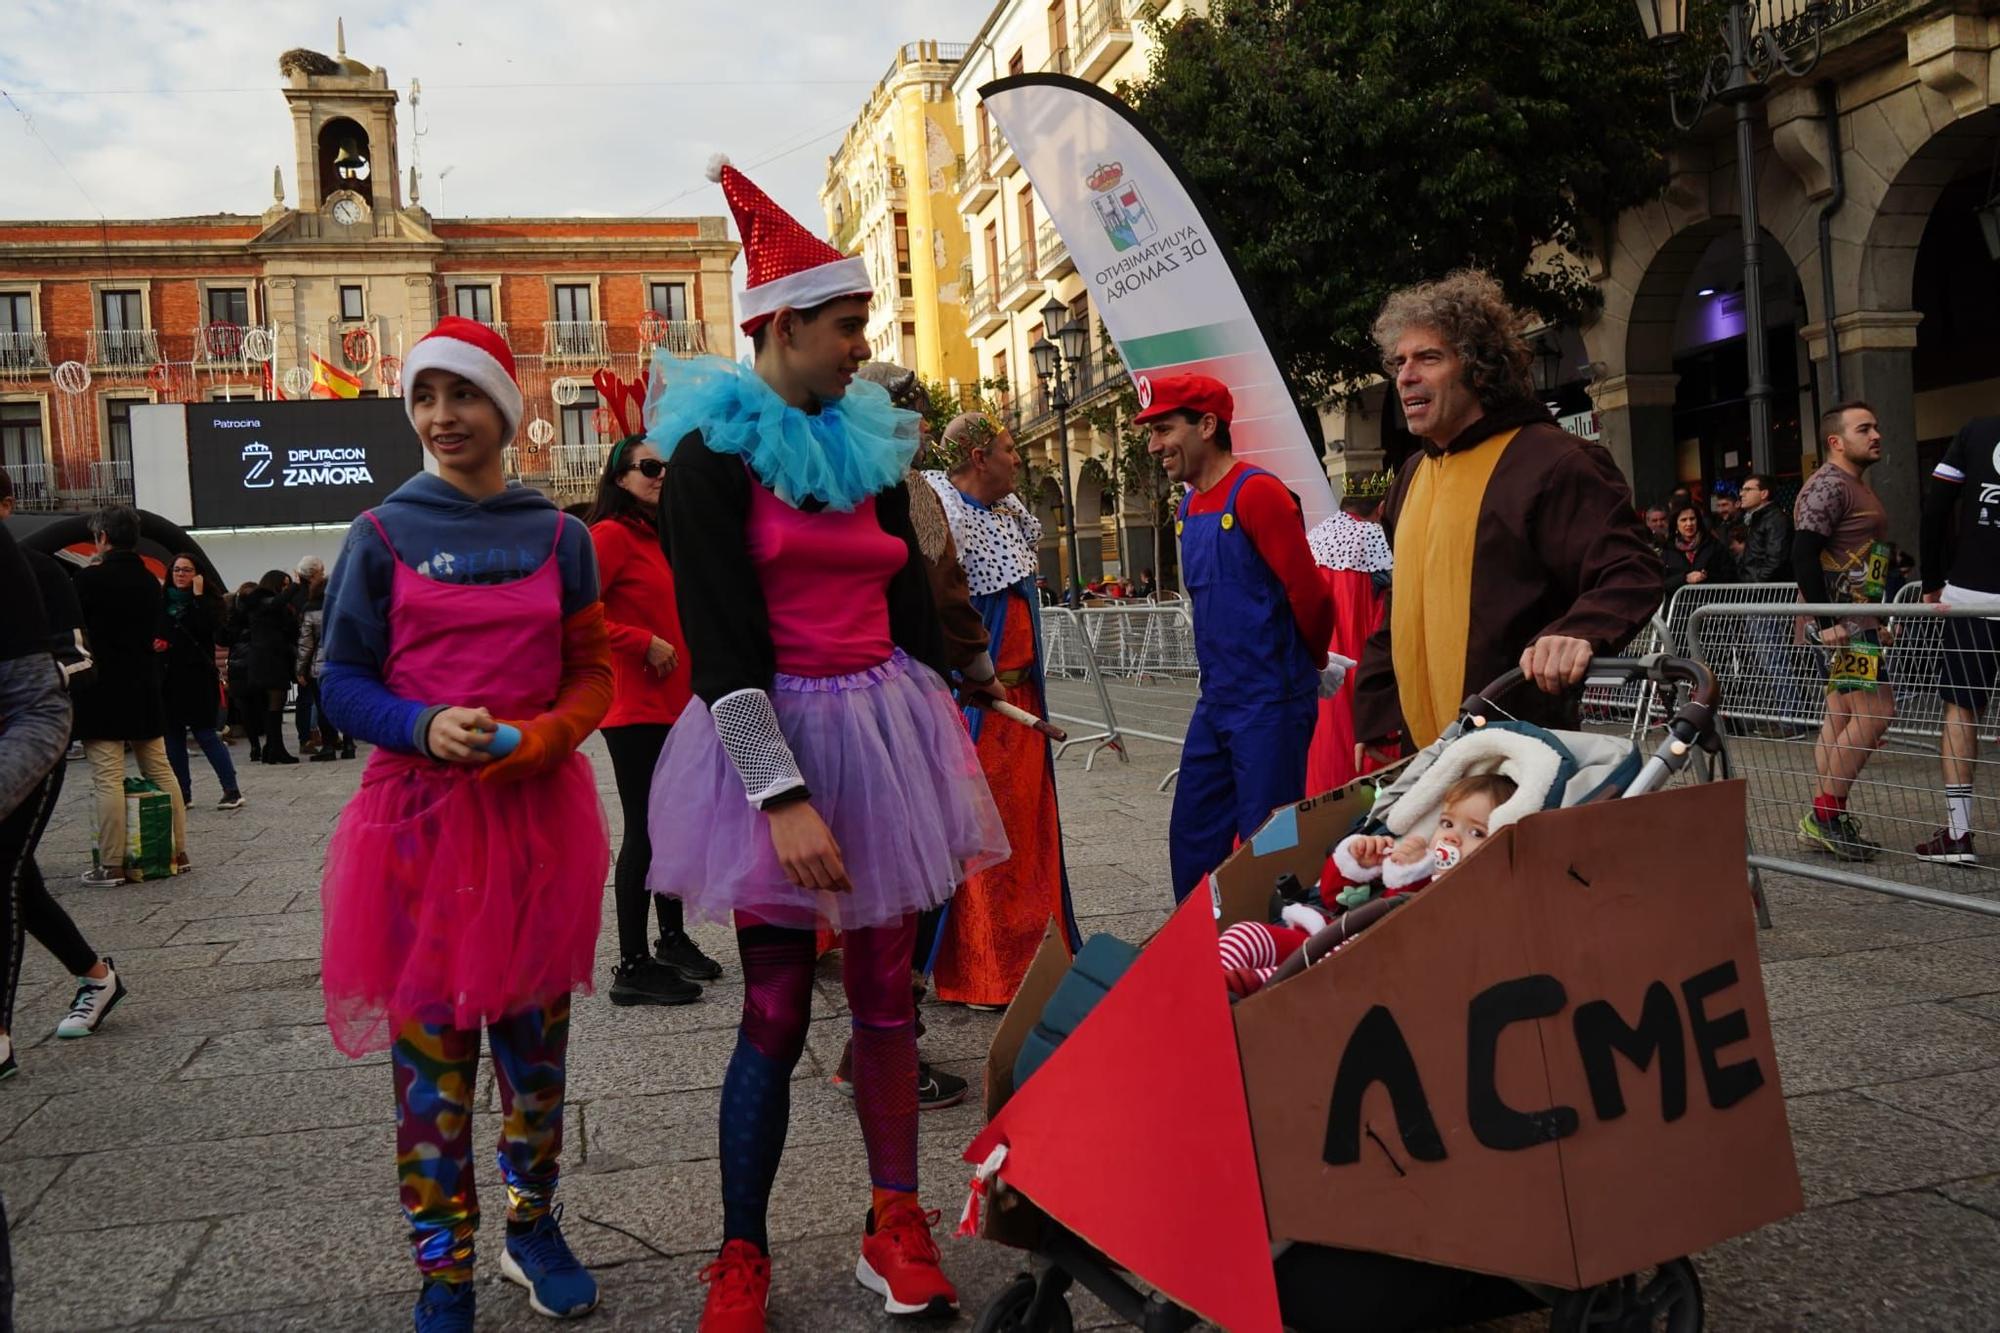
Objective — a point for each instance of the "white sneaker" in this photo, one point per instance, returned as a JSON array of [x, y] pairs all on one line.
[[102, 877], [95, 997]]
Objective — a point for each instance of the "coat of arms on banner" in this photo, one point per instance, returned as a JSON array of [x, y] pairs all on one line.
[[1127, 221]]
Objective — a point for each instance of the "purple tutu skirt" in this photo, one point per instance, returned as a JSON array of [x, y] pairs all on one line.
[[893, 773], [451, 900]]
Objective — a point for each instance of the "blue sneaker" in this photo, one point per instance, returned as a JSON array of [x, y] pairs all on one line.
[[558, 1285], [446, 1307]]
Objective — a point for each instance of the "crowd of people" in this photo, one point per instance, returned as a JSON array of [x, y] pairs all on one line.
[[818, 677]]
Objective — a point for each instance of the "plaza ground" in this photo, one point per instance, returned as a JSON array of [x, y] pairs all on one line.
[[209, 1160]]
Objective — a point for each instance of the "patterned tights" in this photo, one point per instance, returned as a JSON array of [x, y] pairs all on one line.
[[756, 1092]]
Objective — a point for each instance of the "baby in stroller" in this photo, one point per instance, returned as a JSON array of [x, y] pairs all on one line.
[[1447, 802]]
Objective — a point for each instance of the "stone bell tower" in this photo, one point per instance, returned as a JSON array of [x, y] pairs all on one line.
[[344, 134]]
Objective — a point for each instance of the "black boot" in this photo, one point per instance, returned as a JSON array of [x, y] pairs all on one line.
[[681, 954], [643, 981]]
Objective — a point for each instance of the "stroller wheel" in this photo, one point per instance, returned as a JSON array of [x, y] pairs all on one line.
[[1666, 1300], [1012, 1310]]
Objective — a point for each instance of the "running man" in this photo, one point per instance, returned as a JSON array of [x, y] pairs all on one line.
[[1969, 476], [1841, 554]]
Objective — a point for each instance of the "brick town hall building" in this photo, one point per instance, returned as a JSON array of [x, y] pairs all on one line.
[[96, 317]]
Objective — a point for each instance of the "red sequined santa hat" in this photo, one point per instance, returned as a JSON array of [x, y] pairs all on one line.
[[788, 265]]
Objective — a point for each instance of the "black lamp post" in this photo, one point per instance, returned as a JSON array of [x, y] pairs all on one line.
[[1058, 362], [1739, 78]]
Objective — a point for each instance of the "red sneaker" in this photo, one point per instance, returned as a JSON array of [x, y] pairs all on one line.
[[739, 1286], [899, 1262]]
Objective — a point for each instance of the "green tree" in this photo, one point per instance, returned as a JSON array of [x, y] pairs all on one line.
[[1350, 147]]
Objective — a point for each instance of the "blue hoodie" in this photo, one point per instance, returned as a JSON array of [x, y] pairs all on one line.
[[443, 534]]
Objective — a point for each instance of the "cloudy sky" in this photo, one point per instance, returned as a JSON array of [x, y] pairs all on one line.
[[135, 110]]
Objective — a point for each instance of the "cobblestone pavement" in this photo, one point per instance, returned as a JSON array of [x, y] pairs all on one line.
[[209, 1160]]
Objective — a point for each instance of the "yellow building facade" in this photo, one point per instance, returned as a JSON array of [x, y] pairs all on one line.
[[891, 196], [1017, 262]]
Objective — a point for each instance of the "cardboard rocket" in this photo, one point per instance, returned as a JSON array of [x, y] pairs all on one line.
[[1554, 1064]]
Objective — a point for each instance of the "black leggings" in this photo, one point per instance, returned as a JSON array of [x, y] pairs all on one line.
[[25, 904], [635, 749]]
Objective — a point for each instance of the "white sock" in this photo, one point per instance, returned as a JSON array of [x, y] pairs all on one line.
[[1958, 808]]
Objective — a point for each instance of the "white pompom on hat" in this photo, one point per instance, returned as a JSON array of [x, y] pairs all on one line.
[[471, 349]]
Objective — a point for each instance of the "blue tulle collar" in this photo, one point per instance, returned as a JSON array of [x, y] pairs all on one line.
[[855, 447]]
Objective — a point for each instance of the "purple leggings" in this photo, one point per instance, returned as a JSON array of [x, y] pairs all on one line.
[[777, 1006]]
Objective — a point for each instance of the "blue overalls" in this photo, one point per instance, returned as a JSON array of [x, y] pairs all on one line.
[[1246, 747]]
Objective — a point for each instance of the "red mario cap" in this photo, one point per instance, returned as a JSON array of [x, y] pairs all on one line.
[[1200, 394]]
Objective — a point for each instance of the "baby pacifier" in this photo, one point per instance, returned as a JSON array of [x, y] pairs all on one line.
[[1446, 855]]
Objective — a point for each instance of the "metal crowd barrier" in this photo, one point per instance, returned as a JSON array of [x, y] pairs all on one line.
[[1790, 742], [1075, 687]]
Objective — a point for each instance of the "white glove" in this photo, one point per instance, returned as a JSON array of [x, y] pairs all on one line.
[[1334, 674]]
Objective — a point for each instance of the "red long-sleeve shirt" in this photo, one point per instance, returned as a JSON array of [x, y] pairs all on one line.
[[1270, 517], [638, 592]]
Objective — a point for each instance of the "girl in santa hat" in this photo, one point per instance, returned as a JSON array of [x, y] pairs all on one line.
[[465, 639], [823, 759]]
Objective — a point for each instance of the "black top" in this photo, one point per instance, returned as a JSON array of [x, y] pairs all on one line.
[[24, 629], [704, 521], [121, 613], [1969, 473], [1767, 545]]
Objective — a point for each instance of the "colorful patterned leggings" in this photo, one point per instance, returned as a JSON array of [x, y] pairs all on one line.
[[437, 1074], [757, 1090]]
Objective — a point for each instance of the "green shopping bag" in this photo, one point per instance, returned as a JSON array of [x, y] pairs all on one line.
[[149, 830]]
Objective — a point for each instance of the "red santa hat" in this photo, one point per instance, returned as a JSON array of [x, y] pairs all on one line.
[[471, 349], [788, 265]]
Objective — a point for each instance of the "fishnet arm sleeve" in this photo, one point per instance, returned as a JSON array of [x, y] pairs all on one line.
[[747, 726]]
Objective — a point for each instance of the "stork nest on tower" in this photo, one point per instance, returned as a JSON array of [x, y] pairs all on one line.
[[299, 60]]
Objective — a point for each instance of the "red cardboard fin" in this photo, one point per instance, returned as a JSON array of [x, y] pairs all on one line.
[[1164, 1183]]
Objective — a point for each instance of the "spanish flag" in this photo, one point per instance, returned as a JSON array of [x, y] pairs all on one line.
[[330, 381]]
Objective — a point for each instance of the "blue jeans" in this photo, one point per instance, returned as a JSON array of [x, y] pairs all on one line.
[[212, 746]]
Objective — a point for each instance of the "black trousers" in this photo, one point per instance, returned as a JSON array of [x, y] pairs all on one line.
[[635, 749], [25, 905]]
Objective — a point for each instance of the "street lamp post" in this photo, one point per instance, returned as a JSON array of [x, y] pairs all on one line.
[[1058, 360], [1739, 78]]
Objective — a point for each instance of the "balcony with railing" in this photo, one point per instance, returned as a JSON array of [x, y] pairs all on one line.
[[1058, 61], [1103, 33], [23, 353], [561, 470], [1002, 154], [35, 484], [220, 346], [982, 313], [1018, 289], [1051, 255], [676, 337], [898, 192], [976, 182], [132, 349], [575, 340], [110, 482], [1098, 374]]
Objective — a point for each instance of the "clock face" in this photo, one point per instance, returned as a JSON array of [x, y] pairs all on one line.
[[346, 212]]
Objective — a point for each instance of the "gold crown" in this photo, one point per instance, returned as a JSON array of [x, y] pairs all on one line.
[[1367, 485]]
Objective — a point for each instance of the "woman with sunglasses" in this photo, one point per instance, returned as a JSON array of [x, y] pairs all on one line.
[[651, 687], [190, 682]]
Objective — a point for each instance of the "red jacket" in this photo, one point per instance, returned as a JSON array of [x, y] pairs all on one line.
[[638, 592]]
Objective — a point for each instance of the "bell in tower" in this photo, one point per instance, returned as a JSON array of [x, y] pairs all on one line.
[[344, 159]]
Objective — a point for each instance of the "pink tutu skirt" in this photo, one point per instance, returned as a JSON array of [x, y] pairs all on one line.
[[893, 773], [450, 900]]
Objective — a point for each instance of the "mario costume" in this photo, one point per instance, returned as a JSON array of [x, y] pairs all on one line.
[[1262, 620]]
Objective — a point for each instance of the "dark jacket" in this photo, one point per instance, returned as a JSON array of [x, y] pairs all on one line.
[[273, 624], [1558, 549], [191, 689], [1767, 551], [121, 614], [1710, 557]]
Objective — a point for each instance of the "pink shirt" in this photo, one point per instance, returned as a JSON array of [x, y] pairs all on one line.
[[826, 579]]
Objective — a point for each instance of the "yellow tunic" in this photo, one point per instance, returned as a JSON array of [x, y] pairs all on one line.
[[1430, 609]]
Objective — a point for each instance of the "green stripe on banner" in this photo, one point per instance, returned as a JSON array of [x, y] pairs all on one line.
[[1193, 344]]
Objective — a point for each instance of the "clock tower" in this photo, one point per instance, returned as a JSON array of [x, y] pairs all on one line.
[[344, 136]]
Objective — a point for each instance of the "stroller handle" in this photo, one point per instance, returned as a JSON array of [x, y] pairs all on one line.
[[1660, 668]]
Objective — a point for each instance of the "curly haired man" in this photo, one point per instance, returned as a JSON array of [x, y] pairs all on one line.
[[1515, 542]]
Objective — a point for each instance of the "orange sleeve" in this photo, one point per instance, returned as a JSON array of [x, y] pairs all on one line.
[[582, 700], [1270, 516]]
